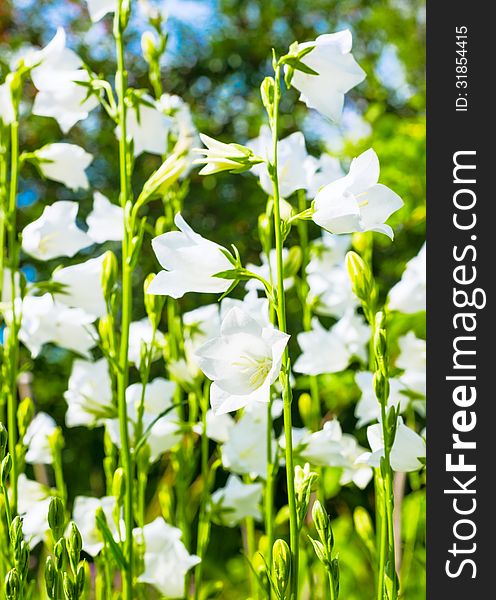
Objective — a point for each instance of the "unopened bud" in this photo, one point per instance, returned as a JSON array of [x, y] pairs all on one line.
[[56, 442], [80, 578], [50, 577], [5, 469], [281, 565], [267, 94], [362, 282], [74, 543], [148, 46], [153, 303], [4, 436], [21, 557], [12, 585], [381, 387], [25, 413], [69, 588], [119, 486], [110, 270], [323, 526], [15, 531], [60, 554], [56, 516]]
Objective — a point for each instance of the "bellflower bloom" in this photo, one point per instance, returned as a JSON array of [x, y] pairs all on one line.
[[337, 70], [33, 504], [55, 233], [36, 439], [6, 107], [409, 294], [84, 515], [140, 332], [320, 172], [148, 127], [166, 560], [190, 262], [89, 394], [218, 156], [65, 163], [236, 501], [83, 287], [45, 321], [356, 202], [291, 160], [218, 427], [330, 351], [105, 221], [99, 8], [412, 359], [58, 80], [408, 448], [243, 362], [368, 408]]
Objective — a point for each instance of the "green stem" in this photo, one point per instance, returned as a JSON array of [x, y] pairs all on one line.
[[126, 315], [250, 551], [269, 496], [382, 527], [286, 365]]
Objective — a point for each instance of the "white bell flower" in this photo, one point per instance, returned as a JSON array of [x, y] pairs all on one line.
[[166, 559], [99, 8], [7, 114], [291, 160], [353, 472], [65, 163], [190, 262], [141, 332], [357, 202], [89, 394], [243, 362], [218, 426], [252, 304], [57, 79], [164, 432], [83, 287], [84, 516], [236, 501], [330, 351], [36, 440], [33, 504], [412, 359], [148, 127], [337, 70], [409, 294], [368, 408], [321, 171], [55, 233], [408, 448], [105, 221], [45, 321]]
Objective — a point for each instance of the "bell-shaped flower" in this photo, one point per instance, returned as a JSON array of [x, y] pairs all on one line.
[[83, 287], [190, 262], [166, 559], [200, 325], [183, 130], [60, 79], [105, 221], [99, 8], [354, 472], [46, 321], [65, 163], [236, 501], [407, 453], [330, 351], [337, 72], [357, 202], [412, 359], [321, 171], [291, 160], [163, 432], [33, 504], [320, 448], [55, 233], [368, 408], [84, 515], [89, 394], [7, 114], [141, 335], [218, 156], [252, 304], [148, 127], [218, 427], [243, 362], [36, 439], [409, 294]]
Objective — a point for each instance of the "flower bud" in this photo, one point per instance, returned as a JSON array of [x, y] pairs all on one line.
[[167, 174], [148, 46], [293, 262], [362, 282], [153, 303], [60, 554], [81, 578], [5, 469], [110, 271], [323, 526], [56, 442], [364, 528], [50, 577], [281, 565], [4, 436], [12, 585], [21, 558], [69, 588], [56, 516], [305, 409], [267, 95], [381, 387], [119, 486], [74, 543], [25, 413]]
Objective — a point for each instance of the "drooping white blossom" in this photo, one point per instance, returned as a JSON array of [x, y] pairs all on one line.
[[408, 448], [412, 359], [105, 221], [368, 408], [83, 287], [236, 501], [58, 78], [33, 504], [409, 294], [242, 362], [291, 160], [84, 515], [55, 232], [357, 202], [36, 439], [166, 559], [65, 163], [99, 8], [330, 351], [337, 70], [46, 321], [89, 394], [164, 432], [190, 262]]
